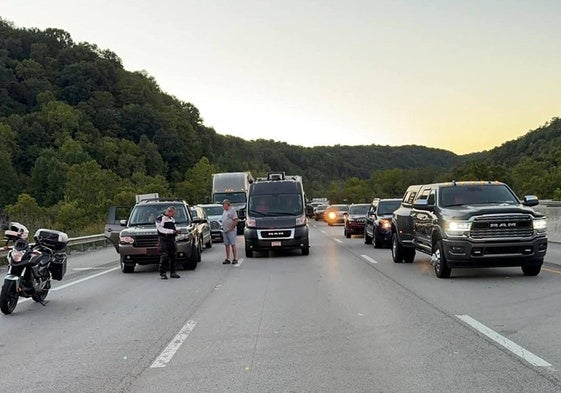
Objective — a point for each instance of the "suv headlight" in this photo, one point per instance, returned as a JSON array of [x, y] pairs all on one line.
[[540, 225], [457, 228], [385, 224], [181, 237], [301, 220], [126, 240]]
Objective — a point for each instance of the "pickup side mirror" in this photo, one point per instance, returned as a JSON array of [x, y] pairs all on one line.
[[123, 223], [530, 200], [422, 204]]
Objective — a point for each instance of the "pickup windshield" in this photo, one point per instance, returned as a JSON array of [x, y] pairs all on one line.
[[478, 194]]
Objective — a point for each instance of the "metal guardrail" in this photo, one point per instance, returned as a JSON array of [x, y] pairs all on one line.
[[82, 243]]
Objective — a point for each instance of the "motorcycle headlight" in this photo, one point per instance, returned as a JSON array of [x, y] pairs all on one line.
[[17, 256], [540, 225], [331, 215], [457, 228], [126, 240]]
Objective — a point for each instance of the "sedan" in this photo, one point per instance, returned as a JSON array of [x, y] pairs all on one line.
[[335, 214]]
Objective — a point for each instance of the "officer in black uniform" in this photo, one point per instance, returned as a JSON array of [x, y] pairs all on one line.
[[165, 224]]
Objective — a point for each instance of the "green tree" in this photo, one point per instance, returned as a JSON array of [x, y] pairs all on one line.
[[27, 211], [48, 178], [197, 186]]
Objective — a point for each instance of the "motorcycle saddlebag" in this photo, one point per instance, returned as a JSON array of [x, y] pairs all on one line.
[[58, 266]]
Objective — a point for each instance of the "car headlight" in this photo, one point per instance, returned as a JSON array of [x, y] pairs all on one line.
[[540, 225], [301, 220], [126, 239], [457, 228]]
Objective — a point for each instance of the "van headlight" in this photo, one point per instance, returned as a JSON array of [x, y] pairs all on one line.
[[457, 228], [540, 225], [250, 222], [301, 220]]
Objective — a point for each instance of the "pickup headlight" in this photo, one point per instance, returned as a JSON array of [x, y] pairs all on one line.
[[457, 228], [301, 220], [540, 225]]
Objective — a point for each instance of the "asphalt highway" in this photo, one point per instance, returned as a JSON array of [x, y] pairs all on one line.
[[343, 319]]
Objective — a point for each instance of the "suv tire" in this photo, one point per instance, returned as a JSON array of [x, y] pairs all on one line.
[[191, 262], [248, 252], [127, 267], [367, 238]]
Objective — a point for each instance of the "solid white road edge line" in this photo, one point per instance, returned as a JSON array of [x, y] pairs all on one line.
[[239, 263], [75, 282], [505, 342], [338, 240], [85, 279], [173, 346], [369, 259]]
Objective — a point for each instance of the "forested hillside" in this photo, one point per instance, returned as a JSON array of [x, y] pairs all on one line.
[[78, 133]]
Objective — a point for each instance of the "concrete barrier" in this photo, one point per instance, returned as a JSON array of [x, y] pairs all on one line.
[[552, 211]]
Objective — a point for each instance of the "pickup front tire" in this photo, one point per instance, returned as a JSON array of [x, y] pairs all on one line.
[[441, 268], [397, 249], [531, 270]]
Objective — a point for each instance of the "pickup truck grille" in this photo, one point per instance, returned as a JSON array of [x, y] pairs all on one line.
[[146, 241], [504, 226]]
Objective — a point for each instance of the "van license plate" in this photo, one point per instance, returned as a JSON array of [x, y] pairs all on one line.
[[275, 244]]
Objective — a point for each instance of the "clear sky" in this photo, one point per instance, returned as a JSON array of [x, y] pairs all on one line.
[[464, 75]]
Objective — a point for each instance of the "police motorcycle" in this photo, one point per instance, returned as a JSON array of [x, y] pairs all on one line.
[[31, 266]]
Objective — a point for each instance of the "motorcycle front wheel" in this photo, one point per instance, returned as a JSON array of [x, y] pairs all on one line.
[[8, 297]]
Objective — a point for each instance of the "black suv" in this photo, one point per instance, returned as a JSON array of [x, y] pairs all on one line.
[[378, 226], [472, 224], [136, 239], [355, 219]]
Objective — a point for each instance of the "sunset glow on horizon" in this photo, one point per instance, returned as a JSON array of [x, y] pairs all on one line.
[[464, 76]]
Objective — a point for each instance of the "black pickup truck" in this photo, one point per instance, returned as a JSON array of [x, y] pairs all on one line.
[[469, 224]]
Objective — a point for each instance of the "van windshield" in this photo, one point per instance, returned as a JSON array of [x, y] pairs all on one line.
[[276, 205]]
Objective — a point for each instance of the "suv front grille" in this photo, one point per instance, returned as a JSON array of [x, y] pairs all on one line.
[[146, 241], [504, 226]]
